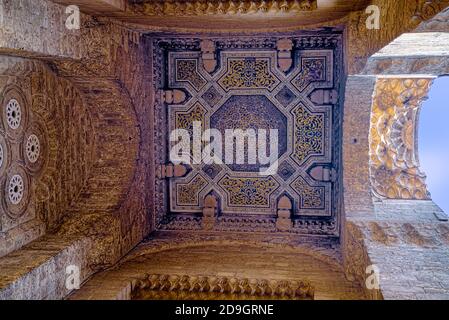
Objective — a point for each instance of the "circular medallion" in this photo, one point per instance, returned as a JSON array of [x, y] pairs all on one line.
[[15, 189], [33, 148], [13, 114]]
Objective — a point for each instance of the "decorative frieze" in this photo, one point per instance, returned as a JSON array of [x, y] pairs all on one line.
[[230, 287]]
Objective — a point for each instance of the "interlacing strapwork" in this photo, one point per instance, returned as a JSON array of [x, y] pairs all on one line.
[[245, 86]]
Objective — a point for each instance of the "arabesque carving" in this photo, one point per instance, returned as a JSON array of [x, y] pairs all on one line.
[[394, 163]]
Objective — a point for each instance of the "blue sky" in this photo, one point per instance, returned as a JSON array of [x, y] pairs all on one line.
[[434, 141]]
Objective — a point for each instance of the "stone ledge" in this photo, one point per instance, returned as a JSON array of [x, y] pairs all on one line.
[[37, 271]]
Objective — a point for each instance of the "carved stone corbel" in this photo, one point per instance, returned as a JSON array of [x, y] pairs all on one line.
[[284, 221], [208, 55], [209, 212], [323, 174], [173, 96], [321, 97], [285, 60], [171, 171]]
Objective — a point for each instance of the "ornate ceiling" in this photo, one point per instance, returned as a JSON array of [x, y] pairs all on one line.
[[253, 83]]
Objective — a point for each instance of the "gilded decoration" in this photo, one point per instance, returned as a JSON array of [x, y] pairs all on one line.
[[309, 134], [248, 73], [313, 70], [187, 71], [394, 163], [311, 197], [249, 191], [248, 90], [185, 120], [250, 112], [186, 192]]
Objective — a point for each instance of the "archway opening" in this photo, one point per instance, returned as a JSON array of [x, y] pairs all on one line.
[[434, 141]]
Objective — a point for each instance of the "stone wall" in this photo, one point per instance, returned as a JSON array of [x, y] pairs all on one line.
[[86, 87], [66, 148]]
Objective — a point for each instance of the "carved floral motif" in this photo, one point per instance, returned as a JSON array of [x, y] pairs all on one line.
[[394, 163]]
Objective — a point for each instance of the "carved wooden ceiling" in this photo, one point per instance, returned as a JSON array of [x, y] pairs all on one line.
[[220, 15]]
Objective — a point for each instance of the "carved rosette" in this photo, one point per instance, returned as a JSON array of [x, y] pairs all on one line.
[[22, 155], [394, 162]]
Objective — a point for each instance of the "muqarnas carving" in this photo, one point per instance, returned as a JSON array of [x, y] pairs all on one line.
[[223, 7], [194, 287], [394, 162]]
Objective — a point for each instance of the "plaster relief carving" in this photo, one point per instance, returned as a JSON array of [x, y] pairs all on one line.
[[14, 112], [394, 163]]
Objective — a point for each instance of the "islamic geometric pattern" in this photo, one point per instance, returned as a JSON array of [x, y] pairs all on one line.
[[248, 90]]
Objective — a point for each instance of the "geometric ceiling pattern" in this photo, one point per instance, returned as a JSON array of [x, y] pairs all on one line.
[[249, 90]]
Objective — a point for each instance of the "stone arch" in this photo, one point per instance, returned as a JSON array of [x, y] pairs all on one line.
[[386, 200], [217, 258]]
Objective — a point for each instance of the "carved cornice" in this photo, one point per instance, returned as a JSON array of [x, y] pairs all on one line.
[[223, 8], [185, 286], [394, 163]]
